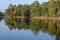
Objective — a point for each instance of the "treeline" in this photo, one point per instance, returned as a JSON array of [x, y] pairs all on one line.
[[1, 14], [50, 8]]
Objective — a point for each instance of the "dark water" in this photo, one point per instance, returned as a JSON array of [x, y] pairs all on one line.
[[29, 29]]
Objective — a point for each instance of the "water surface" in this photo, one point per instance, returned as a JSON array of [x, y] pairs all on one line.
[[29, 29]]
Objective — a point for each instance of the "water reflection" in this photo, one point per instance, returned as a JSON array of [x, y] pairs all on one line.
[[58, 30], [1, 18], [35, 25], [51, 27]]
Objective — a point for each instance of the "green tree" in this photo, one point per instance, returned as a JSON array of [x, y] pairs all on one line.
[[10, 11], [19, 10], [44, 10], [35, 8], [52, 8]]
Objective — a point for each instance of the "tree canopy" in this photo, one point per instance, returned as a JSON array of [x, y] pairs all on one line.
[[50, 8]]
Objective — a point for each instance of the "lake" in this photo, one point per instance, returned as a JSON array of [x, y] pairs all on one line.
[[29, 29]]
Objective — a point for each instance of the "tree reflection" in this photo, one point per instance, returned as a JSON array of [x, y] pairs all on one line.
[[58, 30], [51, 27], [34, 25], [1, 18]]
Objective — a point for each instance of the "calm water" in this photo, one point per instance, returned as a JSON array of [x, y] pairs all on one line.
[[28, 29]]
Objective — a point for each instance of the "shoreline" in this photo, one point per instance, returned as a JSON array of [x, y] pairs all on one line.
[[38, 17]]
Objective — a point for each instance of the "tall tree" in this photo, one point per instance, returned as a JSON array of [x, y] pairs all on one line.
[[44, 10], [35, 8], [52, 8]]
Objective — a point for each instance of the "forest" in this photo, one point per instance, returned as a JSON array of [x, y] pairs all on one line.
[[49, 9]]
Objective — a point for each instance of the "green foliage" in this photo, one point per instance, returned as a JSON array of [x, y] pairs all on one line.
[[50, 8], [44, 10], [35, 8]]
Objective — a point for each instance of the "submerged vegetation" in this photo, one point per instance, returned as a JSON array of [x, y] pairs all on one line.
[[49, 9]]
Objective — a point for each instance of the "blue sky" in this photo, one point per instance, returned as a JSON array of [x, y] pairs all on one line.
[[5, 3]]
